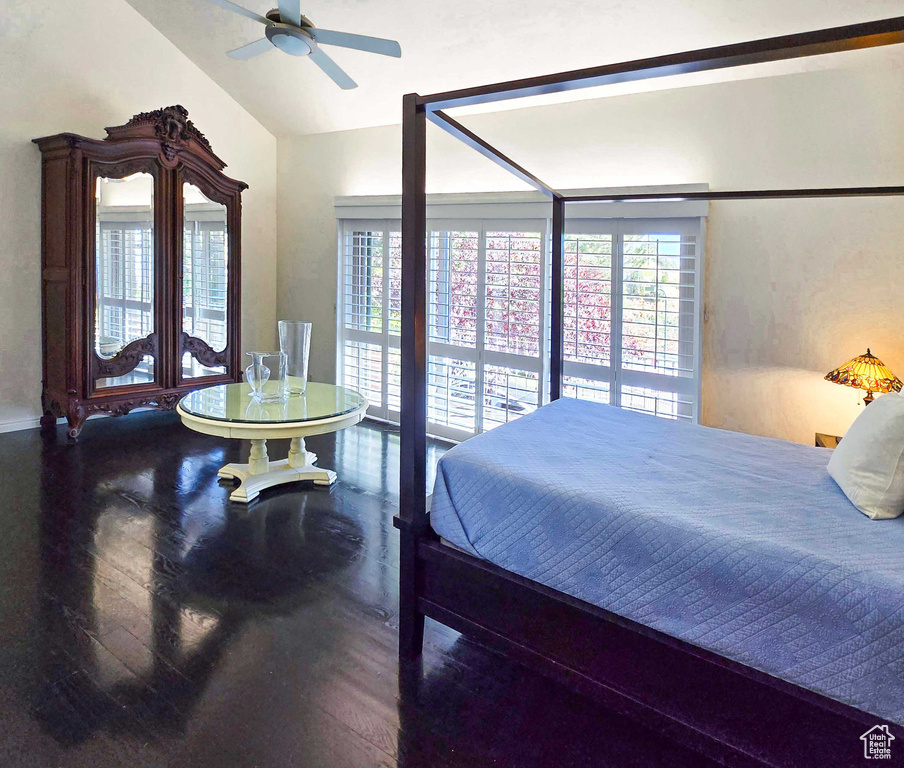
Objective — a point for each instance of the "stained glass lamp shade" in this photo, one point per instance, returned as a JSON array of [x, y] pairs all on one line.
[[866, 372]]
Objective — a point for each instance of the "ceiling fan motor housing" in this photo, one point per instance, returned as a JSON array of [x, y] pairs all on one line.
[[291, 40], [276, 18]]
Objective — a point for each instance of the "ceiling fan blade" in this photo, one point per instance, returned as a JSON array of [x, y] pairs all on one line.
[[229, 6], [290, 12], [333, 70], [251, 50], [357, 42]]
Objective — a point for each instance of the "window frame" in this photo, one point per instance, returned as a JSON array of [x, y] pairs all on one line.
[[485, 217], [618, 376]]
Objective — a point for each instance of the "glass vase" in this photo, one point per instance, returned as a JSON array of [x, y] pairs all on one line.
[[295, 342], [259, 376]]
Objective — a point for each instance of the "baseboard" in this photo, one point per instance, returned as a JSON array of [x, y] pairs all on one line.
[[438, 438], [16, 426]]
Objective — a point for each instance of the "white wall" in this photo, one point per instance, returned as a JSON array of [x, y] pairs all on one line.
[[793, 289], [78, 67]]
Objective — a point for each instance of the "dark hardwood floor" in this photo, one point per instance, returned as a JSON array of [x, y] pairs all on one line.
[[145, 620]]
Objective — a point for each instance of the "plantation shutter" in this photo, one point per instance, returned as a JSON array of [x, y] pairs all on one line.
[[485, 323], [453, 328], [371, 314], [658, 333], [589, 310], [631, 314], [515, 346]]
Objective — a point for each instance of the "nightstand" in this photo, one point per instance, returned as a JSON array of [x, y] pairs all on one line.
[[827, 441]]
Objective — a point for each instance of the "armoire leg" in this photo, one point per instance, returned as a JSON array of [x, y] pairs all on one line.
[[76, 421]]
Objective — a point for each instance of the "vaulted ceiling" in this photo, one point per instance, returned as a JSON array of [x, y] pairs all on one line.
[[459, 43]]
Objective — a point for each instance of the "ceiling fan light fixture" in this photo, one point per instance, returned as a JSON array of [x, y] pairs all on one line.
[[291, 40], [292, 33]]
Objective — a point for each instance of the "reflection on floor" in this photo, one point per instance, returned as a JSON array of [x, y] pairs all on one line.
[[145, 620]]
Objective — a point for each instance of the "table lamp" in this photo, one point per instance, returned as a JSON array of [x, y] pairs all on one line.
[[866, 372]]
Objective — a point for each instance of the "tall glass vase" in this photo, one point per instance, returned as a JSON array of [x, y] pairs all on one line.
[[295, 342]]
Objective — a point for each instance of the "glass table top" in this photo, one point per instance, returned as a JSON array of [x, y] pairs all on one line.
[[233, 402]]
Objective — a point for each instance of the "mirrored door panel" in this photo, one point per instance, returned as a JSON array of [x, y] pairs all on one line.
[[124, 321], [205, 281]]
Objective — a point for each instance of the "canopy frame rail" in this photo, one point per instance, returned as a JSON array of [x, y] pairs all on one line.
[[740, 194], [466, 136], [870, 34]]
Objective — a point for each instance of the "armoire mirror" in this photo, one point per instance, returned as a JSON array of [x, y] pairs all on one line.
[[205, 277], [124, 274]]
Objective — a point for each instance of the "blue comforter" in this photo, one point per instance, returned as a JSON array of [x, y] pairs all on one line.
[[743, 545]]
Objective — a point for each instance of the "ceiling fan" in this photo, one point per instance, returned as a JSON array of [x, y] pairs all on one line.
[[292, 33]]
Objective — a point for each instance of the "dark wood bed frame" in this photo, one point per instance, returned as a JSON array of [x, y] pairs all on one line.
[[729, 712]]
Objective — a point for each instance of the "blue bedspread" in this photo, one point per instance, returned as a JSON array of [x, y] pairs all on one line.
[[743, 545]]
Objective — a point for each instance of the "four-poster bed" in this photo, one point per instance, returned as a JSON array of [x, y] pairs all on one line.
[[725, 709]]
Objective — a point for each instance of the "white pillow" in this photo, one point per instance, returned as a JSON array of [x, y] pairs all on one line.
[[868, 463]]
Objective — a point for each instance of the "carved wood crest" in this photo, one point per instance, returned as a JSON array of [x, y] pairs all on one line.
[[127, 359], [172, 128], [203, 352]]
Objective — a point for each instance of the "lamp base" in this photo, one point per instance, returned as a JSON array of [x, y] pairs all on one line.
[[868, 399]]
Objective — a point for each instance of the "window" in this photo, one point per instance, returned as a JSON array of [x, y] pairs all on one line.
[[631, 314], [631, 332], [371, 314]]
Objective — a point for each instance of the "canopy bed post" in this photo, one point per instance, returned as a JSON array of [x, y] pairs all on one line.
[[558, 298], [412, 520]]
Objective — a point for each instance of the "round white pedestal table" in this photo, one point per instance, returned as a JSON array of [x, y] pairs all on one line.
[[228, 410]]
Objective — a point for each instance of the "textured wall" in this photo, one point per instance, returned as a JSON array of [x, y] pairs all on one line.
[[53, 81]]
